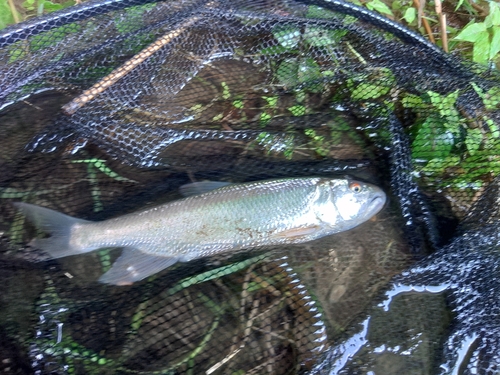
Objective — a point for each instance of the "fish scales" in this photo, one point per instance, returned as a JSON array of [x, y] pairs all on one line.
[[232, 217]]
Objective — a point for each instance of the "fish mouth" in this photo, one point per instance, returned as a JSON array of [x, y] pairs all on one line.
[[376, 204]]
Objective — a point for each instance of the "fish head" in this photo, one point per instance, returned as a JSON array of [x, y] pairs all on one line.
[[348, 203]]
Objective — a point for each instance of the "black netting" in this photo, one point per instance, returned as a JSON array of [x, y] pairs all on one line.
[[108, 108]]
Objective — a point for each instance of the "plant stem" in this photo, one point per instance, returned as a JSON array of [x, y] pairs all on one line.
[[14, 11]]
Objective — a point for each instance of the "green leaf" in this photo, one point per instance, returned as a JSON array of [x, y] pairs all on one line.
[[379, 6], [318, 12], [132, 19], [308, 70], [196, 107], [226, 94], [300, 96], [297, 110], [432, 141], [446, 108], [491, 99], [321, 37], [412, 101], [493, 18], [317, 142], [396, 5], [473, 140], [271, 100], [288, 36], [29, 5], [287, 72], [54, 36], [438, 166], [495, 43], [472, 32], [494, 129], [238, 104], [292, 72], [48, 6], [265, 118], [481, 50], [366, 91], [459, 5], [218, 117], [410, 15]]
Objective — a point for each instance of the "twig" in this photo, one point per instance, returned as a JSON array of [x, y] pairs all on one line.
[[14, 11], [444, 35], [481, 11], [248, 329], [424, 21], [224, 360], [420, 11], [442, 24], [126, 68]]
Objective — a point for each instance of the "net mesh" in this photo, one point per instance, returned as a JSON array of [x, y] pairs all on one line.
[[110, 107]]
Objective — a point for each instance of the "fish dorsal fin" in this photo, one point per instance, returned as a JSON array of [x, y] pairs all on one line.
[[134, 265], [197, 188]]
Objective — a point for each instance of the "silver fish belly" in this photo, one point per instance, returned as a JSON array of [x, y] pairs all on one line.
[[233, 217]]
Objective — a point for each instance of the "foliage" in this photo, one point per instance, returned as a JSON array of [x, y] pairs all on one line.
[[485, 36], [40, 7], [482, 29], [379, 6], [6, 15], [441, 136], [450, 151], [12, 11]]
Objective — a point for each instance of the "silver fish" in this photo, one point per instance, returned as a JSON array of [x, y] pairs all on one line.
[[228, 218]]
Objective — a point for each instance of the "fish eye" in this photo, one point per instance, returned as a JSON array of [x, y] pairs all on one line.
[[355, 187]]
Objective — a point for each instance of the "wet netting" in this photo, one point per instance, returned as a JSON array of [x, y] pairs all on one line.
[[112, 107]]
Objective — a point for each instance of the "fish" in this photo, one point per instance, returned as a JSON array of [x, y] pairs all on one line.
[[213, 218]]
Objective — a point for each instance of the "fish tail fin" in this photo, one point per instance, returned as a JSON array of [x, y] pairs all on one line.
[[54, 223]]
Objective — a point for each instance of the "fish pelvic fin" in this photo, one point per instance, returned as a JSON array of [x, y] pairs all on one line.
[[56, 224], [134, 265]]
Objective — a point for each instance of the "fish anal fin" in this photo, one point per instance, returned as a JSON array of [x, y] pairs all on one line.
[[298, 232], [134, 265]]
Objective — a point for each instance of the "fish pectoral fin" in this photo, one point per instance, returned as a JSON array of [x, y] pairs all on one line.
[[296, 233], [134, 265]]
